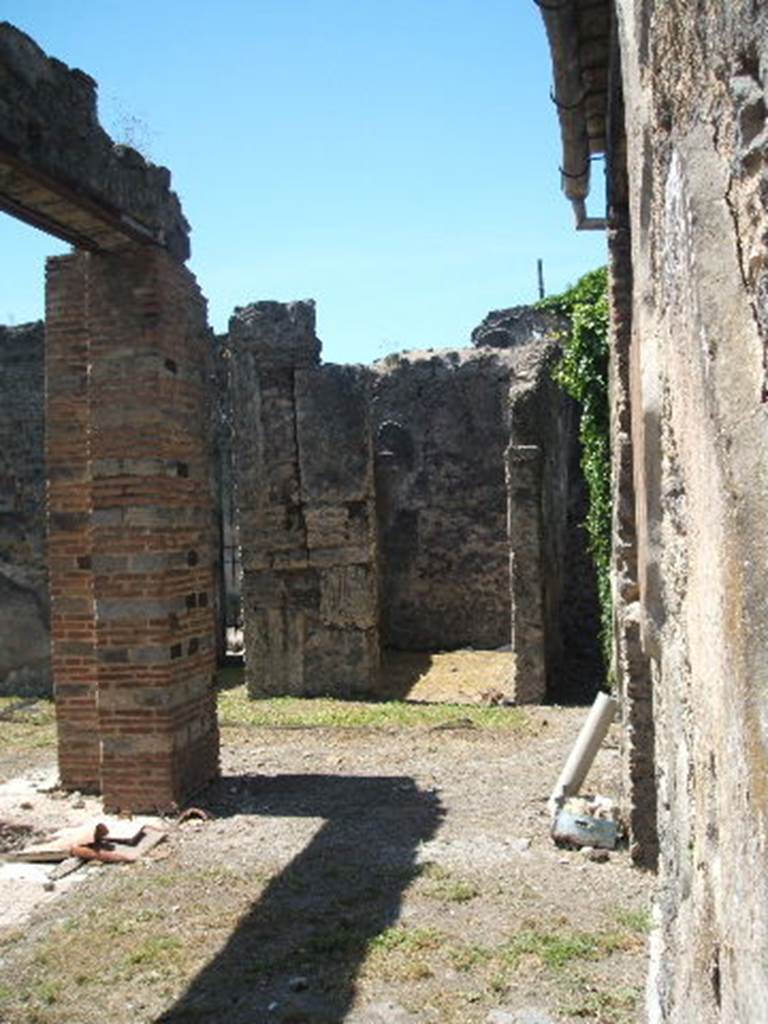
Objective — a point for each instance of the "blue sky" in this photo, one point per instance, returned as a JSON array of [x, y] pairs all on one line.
[[396, 161]]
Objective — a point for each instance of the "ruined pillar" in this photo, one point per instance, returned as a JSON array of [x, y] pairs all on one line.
[[146, 528], [304, 472], [524, 469]]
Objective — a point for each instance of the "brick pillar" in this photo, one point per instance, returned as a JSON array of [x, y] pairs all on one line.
[[151, 529], [67, 445]]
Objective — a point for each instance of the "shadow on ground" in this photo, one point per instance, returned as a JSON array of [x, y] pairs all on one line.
[[295, 956]]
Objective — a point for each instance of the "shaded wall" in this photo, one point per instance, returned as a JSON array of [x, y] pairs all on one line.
[[441, 423], [24, 603]]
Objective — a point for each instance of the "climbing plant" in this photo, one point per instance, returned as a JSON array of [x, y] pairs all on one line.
[[583, 373]]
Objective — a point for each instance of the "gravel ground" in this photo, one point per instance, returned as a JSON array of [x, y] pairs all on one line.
[[364, 875]]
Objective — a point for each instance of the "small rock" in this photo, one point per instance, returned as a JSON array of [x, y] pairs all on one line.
[[529, 1015], [26, 805], [78, 804], [298, 984], [49, 886], [599, 856]]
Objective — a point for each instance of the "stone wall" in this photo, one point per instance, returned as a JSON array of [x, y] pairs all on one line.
[[59, 169], [24, 604], [442, 426], [416, 555], [695, 92], [306, 513], [542, 480], [480, 505]]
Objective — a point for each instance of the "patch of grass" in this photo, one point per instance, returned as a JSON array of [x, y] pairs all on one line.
[[557, 947], [635, 920], [599, 1006], [454, 891], [46, 992], [441, 885], [406, 940], [156, 950], [236, 709], [467, 958], [31, 726]]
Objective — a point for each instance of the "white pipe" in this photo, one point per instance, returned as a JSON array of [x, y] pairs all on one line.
[[582, 755]]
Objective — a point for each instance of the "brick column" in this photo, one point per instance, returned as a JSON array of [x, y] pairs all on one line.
[[67, 445], [151, 529]]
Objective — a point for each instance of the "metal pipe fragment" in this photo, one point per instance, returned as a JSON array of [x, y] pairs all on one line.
[[585, 748]]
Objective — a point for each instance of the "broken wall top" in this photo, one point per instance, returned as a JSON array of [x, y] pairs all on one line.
[[60, 171], [278, 334], [518, 325]]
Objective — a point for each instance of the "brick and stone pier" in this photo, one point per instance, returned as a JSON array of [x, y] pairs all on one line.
[[130, 527]]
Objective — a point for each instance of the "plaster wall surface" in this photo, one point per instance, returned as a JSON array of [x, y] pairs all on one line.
[[24, 604], [695, 94]]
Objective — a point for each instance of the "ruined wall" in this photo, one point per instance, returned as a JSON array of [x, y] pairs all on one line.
[[695, 94], [59, 169], [305, 507], [442, 426], [24, 604], [479, 499], [631, 668], [544, 482]]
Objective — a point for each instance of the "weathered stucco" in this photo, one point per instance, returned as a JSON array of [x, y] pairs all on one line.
[[695, 91]]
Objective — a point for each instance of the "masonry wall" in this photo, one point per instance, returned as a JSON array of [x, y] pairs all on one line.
[[442, 426], [24, 604], [695, 94], [479, 498], [543, 478], [306, 514]]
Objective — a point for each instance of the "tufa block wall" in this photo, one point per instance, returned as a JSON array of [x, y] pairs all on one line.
[[442, 426], [304, 473]]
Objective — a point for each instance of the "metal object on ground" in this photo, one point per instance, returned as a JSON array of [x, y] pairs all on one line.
[[578, 830]]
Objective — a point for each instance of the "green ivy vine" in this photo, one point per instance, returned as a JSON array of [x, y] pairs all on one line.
[[583, 373]]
